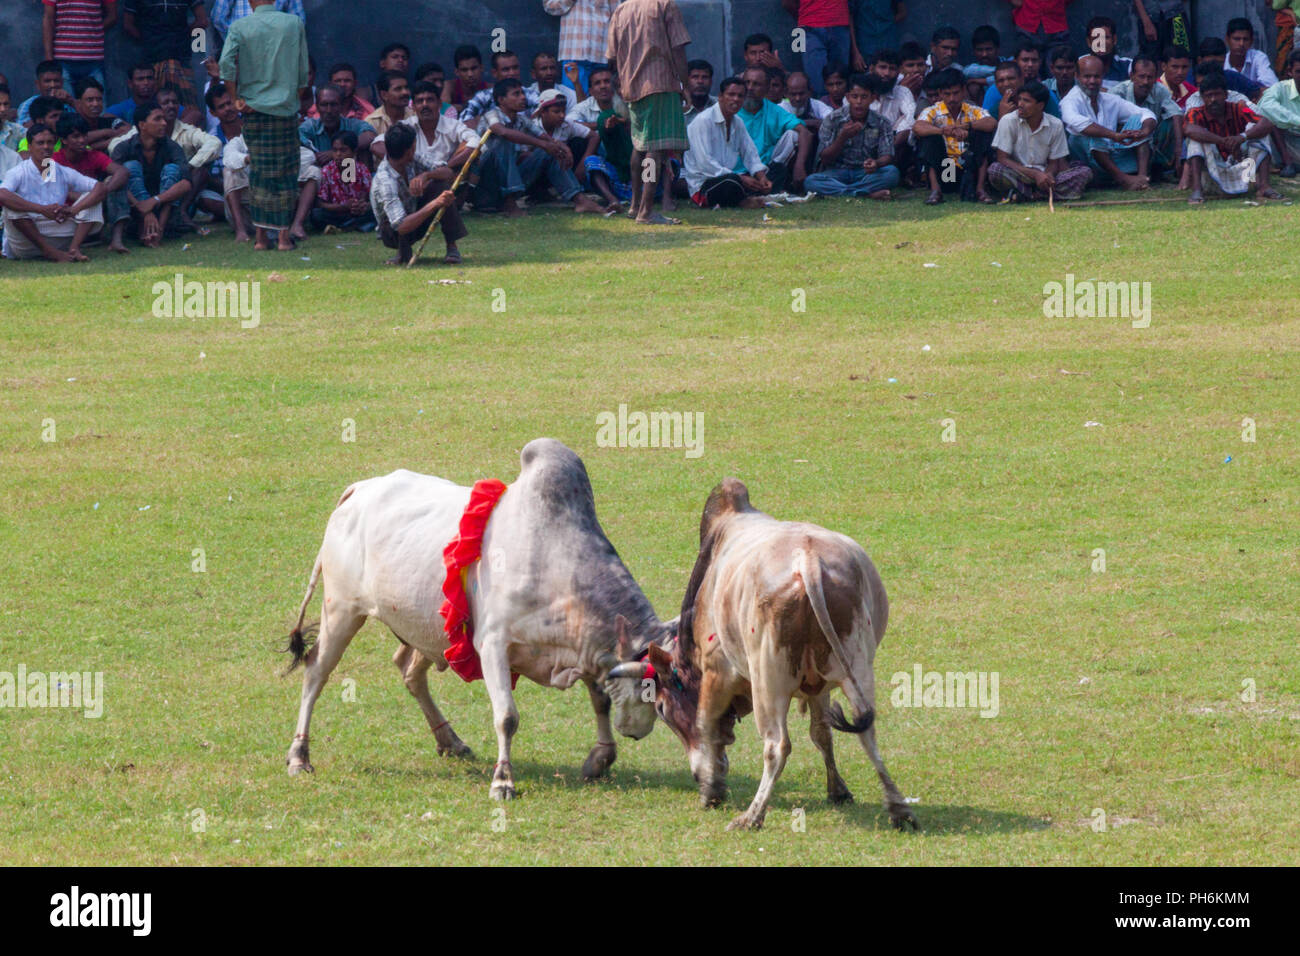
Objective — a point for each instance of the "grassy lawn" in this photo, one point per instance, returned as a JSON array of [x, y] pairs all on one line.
[[1121, 691]]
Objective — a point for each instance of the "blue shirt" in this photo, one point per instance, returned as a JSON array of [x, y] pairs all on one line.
[[124, 110], [992, 98], [25, 110], [312, 132], [226, 12], [765, 127]]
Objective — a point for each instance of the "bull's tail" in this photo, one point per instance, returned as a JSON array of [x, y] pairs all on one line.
[[300, 636], [810, 572]]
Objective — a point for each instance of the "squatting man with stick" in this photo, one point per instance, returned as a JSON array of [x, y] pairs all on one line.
[[405, 196]]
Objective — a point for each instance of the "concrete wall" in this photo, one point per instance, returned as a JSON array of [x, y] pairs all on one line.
[[356, 29]]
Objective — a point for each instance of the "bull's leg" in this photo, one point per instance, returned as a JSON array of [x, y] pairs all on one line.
[[602, 755], [709, 761], [415, 670], [900, 814], [337, 628], [819, 729], [771, 709], [505, 717]]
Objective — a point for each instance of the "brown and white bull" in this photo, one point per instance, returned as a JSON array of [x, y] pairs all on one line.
[[774, 610], [550, 599]]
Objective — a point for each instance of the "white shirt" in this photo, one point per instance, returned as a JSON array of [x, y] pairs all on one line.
[[449, 136], [8, 160], [1078, 114], [818, 109], [1255, 68], [713, 152], [897, 108], [588, 111], [570, 97], [1031, 147], [26, 182]]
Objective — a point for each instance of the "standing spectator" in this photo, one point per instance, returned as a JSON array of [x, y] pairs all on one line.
[[1164, 23], [584, 28], [1285, 18], [875, 26], [73, 31], [828, 36], [265, 63], [647, 48], [226, 12], [1041, 22], [162, 28]]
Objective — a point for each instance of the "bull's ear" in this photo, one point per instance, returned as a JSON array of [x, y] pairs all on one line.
[[621, 628], [660, 658]]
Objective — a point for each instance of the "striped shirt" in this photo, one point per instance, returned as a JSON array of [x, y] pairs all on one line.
[[78, 29], [1237, 118], [584, 25], [642, 37]]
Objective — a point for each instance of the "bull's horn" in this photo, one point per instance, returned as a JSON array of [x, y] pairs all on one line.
[[633, 669]]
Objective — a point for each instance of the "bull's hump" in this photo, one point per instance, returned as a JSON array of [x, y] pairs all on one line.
[[555, 477]]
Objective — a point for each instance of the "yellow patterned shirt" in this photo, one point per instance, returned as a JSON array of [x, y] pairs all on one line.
[[938, 115]]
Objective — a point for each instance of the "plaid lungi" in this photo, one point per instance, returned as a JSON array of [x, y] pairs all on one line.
[[179, 75], [272, 143], [657, 122]]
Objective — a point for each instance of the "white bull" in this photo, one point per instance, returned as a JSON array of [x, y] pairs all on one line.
[[550, 599]]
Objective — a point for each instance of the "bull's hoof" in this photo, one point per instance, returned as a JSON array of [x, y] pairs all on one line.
[[600, 759], [903, 818], [502, 790], [710, 798], [296, 768], [843, 795], [746, 821], [457, 748]]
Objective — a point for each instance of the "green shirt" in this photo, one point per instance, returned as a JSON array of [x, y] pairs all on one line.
[[266, 56], [1280, 104], [617, 143]]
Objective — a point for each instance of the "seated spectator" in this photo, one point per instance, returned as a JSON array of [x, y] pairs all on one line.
[[1115, 69], [581, 141], [89, 105], [912, 68], [984, 44], [227, 125], [47, 111], [546, 76], [784, 144], [1229, 141], [1280, 105], [897, 107], [699, 85], [775, 86], [1163, 23], [11, 132], [508, 171], [1141, 89], [953, 139], [235, 162], [394, 103], [393, 58], [1027, 63], [602, 99], [165, 34], [73, 31], [306, 95], [9, 158], [49, 83], [442, 142], [719, 142], [74, 133], [1243, 57], [1110, 134], [468, 81], [857, 146], [49, 210], [505, 66], [610, 171], [405, 196], [944, 44], [835, 80], [1211, 65], [343, 202], [1214, 51], [1173, 77], [344, 76], [759, 51], [156, 181], [1032, 155], [318, 134], [1063, 64], [1001, 98], [143, 87], [799, 102], [1030, 60]]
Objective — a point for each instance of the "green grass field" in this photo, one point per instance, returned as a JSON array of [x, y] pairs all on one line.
[[1120, 691]]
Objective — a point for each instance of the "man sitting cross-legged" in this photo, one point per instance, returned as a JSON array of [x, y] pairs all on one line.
[[1229, 141], [857, 146], [508, 172], [1143, 89], [405, 195], [784, 144], [156, 182], [953, 138], [1107, 132], [49, 209], [1032, 153], [718, 142], [343, 201], [74, 133]]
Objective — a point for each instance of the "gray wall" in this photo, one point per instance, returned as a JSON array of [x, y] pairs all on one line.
[[356, 29]]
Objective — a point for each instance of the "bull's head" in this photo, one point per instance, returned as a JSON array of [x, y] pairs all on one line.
[[632, 696]]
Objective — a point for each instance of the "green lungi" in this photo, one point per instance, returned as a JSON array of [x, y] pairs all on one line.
[[272, 168], [657, 122]]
